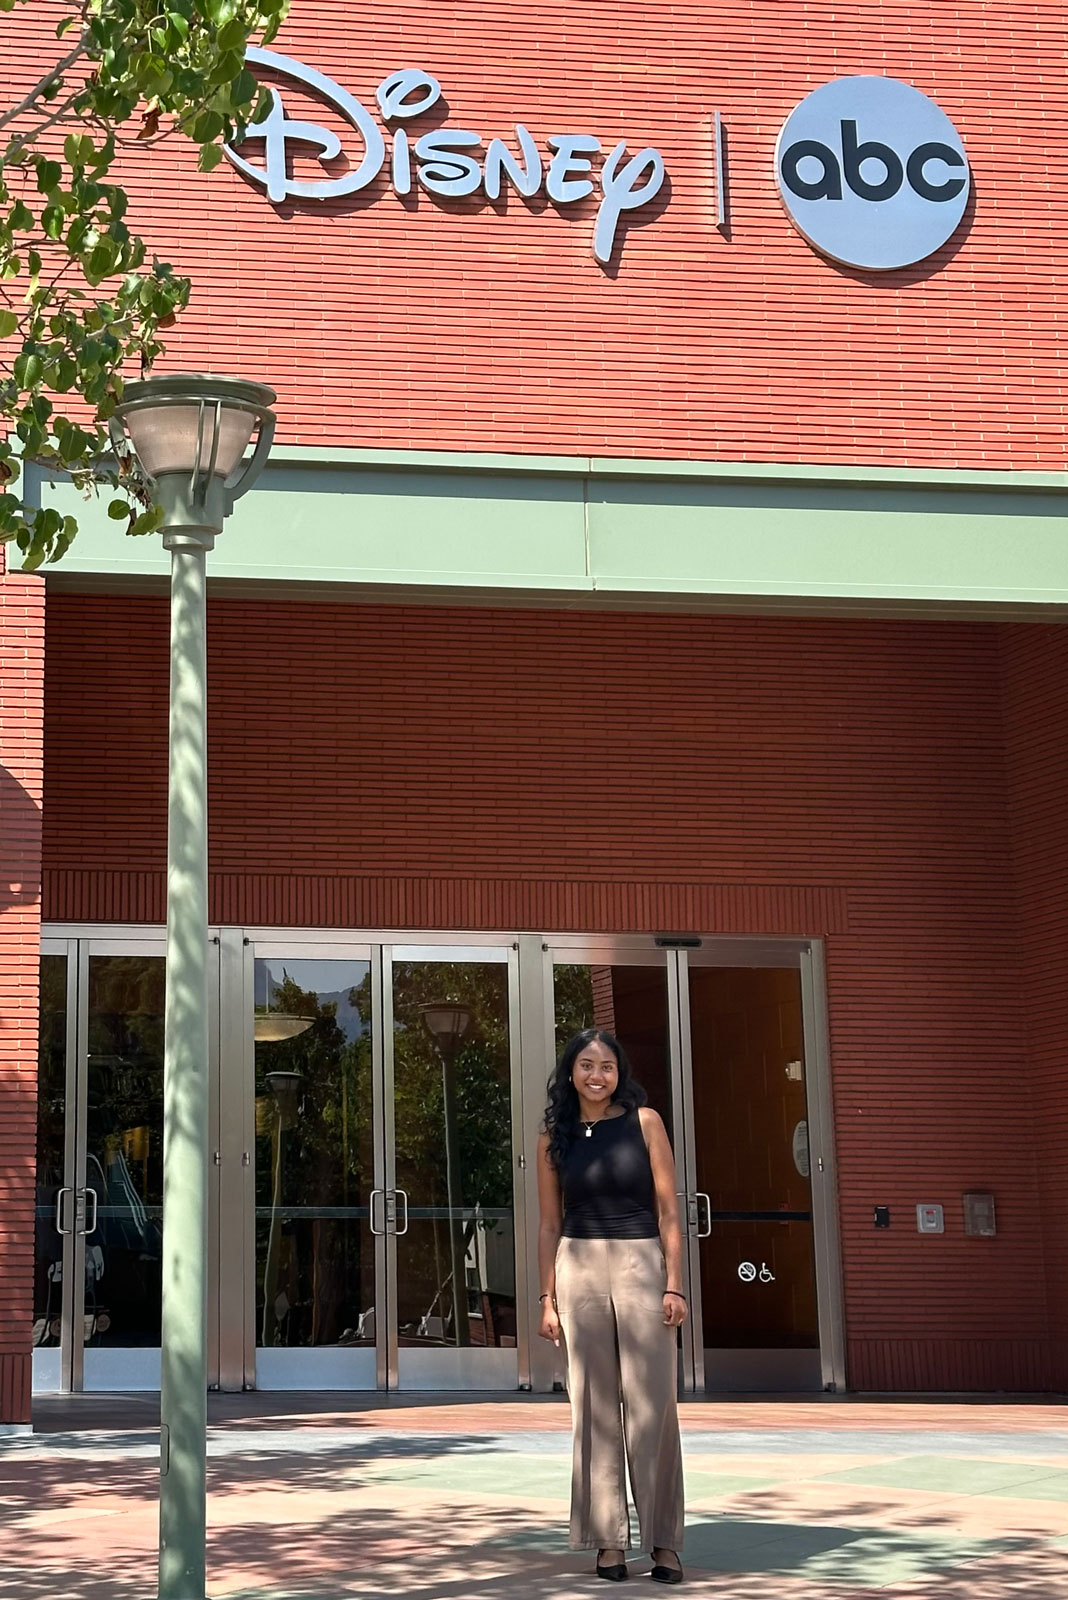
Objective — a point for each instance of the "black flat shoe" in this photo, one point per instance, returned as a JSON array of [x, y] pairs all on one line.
[[666, 1574], [614, 1574]]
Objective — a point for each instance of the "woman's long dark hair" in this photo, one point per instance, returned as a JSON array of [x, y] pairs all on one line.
[[562, 1112]]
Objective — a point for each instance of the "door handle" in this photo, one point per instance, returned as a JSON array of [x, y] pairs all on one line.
[[402, 1194], [703, 1232], [376, 1194], [90, 1227], [66, 1232]]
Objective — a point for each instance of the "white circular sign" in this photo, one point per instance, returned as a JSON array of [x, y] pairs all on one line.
[[746, 1271], [872, 172]]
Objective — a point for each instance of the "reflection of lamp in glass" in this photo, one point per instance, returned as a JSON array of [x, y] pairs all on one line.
[[285, 1087], [447, 1022], [269, 1027]]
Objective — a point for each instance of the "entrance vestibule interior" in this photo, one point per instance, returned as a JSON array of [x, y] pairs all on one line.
[[376, 1100]]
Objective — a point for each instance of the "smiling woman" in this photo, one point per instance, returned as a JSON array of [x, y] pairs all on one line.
[[610, 1258]]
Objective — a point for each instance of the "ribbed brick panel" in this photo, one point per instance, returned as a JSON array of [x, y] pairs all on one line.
[[489, 326], [1036, 721], [317, 900], [1015, 1366], [384, 766], [21, 712]]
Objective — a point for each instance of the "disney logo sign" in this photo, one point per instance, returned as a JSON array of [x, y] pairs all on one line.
[[447, 162]]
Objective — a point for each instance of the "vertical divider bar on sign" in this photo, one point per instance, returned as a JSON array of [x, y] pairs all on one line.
[[693, 1353]]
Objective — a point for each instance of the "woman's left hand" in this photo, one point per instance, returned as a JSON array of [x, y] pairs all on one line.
[[675, 1310]]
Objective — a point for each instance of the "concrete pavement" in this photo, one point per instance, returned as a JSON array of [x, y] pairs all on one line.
[[324, 1497]]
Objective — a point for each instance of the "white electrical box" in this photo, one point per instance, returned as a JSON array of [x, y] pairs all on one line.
[[930, 1219]]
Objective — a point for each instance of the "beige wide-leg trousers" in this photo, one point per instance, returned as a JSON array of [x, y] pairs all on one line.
[[621, 1365]]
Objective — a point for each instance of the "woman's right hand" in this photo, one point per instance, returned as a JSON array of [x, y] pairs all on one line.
[[550, 1322]]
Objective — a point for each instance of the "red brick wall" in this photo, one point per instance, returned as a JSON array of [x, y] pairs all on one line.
[[21, 710], [476, 326], [1036, 736], [390, 766]]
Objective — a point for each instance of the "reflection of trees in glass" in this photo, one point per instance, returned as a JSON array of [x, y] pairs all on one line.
[[319, 1126], [482, 1074], [480, 1120], [51, 1125], [572, 1001], [125, 1082], [124, 1144]]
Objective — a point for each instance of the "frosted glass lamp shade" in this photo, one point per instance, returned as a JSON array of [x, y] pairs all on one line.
[[165, 437]]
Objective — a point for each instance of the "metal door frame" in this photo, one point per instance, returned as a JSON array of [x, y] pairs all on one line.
[[239, 1154], [240, 950], [455, 948], [631, 950], [65, 1218], [531, 958], [80, 943], [806, 957]]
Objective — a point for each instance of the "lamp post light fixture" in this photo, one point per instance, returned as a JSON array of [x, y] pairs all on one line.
[[447, 1022], [190, 434]]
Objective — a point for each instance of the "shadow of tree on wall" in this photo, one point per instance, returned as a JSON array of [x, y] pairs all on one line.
[[20, 844]]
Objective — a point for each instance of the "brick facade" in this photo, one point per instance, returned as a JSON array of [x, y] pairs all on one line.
[[385, 766], [488, 326], [21, 709]]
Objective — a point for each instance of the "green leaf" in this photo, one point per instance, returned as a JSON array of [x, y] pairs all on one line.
[[78, 149], [52, 220], [28, 369], [9, 321], [21, 217], [118, 510], [147, 522], [48, 175], [209, 158]]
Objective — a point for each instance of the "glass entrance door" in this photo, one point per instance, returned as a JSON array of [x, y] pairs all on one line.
[[756, 1323], [314, 1302], [99, 1220], [380, 1169], [450, 1078], [630, 988], [717, 1034]]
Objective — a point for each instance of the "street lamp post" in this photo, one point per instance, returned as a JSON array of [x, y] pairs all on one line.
[[190, 434]]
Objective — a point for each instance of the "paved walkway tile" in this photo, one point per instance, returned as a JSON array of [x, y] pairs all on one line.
[[451, 1502], [946, 1475]]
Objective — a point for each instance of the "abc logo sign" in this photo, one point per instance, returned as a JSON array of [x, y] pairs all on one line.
[[872, 172]]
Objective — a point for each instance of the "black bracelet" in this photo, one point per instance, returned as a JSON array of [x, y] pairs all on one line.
[[547, 1297], [678, 1294]]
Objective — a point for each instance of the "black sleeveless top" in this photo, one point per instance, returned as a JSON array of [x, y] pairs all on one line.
[[607, 1182]]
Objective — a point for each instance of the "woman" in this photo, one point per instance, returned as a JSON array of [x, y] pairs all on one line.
[[610, 1256]]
